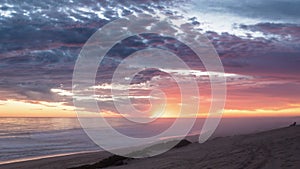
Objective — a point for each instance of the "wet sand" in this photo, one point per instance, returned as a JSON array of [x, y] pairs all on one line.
[[275, 149]]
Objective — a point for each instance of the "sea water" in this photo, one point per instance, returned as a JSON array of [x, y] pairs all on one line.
[[26, 138]]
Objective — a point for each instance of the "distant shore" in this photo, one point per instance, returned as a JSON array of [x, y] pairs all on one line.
[[272, 149]]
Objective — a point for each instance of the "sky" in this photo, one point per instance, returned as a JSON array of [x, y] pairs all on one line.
[[257, 41]]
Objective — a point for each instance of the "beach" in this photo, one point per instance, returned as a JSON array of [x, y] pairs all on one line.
[[278, 148]]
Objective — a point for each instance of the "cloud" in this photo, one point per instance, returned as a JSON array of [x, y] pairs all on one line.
[[259, 56], [273, 10], [259, 50], [146, 75], [40, 47]]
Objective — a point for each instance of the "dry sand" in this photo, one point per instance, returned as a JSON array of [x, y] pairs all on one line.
[[275, 149]]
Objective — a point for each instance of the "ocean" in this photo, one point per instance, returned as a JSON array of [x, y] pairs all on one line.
[[29, 138]]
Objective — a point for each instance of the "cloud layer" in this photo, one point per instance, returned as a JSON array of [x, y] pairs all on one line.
[[258, 43]]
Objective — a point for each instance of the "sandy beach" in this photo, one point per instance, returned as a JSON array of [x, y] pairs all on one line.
[[273, 149]]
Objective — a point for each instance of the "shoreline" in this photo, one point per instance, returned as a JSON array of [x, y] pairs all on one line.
[[278, 146], [47, 156], [191, 137], [57, 161]]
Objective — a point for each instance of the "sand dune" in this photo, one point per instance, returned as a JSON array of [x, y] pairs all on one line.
[[275, 149]]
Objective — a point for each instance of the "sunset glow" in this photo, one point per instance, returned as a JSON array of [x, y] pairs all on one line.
[[260, 57], [13, 108]]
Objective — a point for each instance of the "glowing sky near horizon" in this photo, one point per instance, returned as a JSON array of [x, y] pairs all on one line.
[[258, 43]]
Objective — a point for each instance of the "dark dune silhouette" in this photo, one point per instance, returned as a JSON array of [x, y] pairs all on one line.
[[294, 124]]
